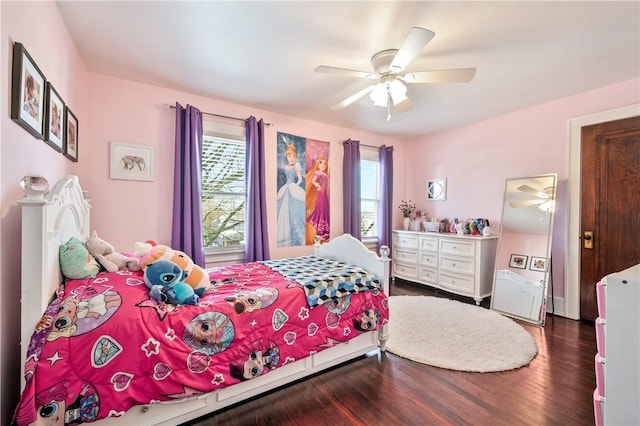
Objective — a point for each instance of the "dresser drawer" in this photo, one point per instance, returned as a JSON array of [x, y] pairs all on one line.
[[457, 246], [405, 256], [463, 265], [428, 275], [405, 241], [429, 244], [405, 271], [457, 283], [429, 260]]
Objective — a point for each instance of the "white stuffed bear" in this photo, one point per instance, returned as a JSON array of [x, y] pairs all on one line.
[[106, 255]]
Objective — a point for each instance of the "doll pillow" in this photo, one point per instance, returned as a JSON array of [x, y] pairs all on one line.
[[75, 260]]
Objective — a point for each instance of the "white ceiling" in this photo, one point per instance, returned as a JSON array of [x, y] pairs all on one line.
[[263, 54]]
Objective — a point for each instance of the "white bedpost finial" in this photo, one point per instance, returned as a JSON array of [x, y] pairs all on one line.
[[36, 187], [384, 251], [316, 245]]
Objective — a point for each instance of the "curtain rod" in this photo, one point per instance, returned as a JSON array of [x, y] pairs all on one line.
[[368, 146], [220, 115]]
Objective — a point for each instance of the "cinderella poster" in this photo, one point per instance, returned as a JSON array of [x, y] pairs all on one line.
[[303, 190]]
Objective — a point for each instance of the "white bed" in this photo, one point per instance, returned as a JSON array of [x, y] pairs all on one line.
[[49, 221]]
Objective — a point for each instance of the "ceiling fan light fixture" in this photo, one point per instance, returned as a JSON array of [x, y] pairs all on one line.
[[382, 91], [398, 91], [379, 95]]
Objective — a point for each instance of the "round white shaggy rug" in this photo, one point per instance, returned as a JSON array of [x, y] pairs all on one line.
[[457, 336]]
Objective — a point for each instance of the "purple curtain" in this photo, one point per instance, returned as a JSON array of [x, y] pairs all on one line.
[[186, 231], [351, 188], [256, 239], [385, 207]]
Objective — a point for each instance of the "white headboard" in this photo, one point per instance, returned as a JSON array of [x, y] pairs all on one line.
[[47, 222]]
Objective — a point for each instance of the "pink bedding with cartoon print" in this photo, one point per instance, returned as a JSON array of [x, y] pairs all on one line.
[[104, 345]]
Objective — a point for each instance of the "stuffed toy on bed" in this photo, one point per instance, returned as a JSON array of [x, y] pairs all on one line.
[[164, 279], [106, 255], [150, 251]]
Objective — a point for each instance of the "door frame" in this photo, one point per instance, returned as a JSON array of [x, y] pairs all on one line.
[[573, 202]]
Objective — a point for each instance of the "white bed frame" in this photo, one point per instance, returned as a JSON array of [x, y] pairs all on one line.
[[49, 221]]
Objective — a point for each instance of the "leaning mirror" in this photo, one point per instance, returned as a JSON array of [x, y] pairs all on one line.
[[523, 260]]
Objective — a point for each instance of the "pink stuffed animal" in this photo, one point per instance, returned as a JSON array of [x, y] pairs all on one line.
[[106, 255]]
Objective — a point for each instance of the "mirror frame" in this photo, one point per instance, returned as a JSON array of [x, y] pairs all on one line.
[[502, 299]]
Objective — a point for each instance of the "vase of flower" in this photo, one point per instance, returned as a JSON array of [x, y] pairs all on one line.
[[407, 208]]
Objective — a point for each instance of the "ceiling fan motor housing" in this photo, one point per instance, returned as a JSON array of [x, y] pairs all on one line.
[[381, 61]]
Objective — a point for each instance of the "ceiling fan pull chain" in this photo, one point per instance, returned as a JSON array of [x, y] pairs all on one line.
[[389, 102]]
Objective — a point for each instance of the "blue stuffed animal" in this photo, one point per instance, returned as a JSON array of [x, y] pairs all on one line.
[[165, 282]]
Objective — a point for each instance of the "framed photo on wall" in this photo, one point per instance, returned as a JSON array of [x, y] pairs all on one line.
[[131, 161], [54, 127], [71, 140], [518, 261], [539, 264], [437, 189], [27, 92]]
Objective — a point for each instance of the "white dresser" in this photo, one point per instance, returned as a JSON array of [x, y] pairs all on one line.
[[617, 395], [460, 264]]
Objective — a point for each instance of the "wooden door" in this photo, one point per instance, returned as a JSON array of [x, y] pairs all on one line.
[[610, 196]]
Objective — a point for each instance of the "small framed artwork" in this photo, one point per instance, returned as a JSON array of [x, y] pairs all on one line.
[[27, 92], [518, 261], [54, 127], [131, 162], [71, 140], [437, 189], [539, 264]]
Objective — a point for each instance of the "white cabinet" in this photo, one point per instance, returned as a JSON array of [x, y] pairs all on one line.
[[617, 362], [460, 264]]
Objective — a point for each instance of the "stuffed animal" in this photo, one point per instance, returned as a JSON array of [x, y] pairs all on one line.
[[150, 251], [75, 260], [106, 255], [164, 279]]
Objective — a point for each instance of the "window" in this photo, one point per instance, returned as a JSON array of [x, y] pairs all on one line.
[[223, 188], [369, 192]]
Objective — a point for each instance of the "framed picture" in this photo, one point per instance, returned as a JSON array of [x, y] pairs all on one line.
[[27, 92], [518, 261], [54, 126], [538, 264], [71, 140], [131, 162], [437, 189]]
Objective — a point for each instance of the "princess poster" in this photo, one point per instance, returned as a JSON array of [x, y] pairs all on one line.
[[303, 190]]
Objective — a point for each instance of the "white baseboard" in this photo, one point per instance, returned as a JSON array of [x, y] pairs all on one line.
[[556, 306]]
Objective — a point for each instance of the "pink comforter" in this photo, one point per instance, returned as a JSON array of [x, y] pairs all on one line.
[[104, 346]]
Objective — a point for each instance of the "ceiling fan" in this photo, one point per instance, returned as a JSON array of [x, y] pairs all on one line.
[[544, 198], [388, 66]]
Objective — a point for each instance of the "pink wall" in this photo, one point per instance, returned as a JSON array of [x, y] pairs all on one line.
[[478, 158], [39, 27], [130, 112]]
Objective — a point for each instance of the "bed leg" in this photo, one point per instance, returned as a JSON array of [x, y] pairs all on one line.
[[383, 336]]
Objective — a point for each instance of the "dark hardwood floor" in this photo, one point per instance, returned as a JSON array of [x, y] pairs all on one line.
[[555, 389]]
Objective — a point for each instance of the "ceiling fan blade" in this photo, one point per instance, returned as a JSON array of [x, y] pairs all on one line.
[[526, 203], [414, 42], [404, 105], [531, 190], [459, 75], [344, 71], [351, 99]]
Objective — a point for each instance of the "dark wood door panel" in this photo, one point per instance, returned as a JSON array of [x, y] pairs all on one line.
[[610, 204]]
